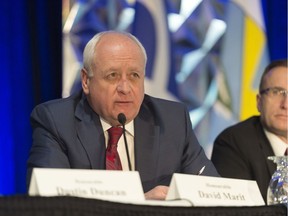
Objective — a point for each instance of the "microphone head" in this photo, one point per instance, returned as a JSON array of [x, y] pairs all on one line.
[[122, 118]]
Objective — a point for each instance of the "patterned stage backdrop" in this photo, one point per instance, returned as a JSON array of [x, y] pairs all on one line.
[[208, 54]]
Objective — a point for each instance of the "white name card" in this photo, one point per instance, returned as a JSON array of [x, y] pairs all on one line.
[[214, 191], [121, 186]]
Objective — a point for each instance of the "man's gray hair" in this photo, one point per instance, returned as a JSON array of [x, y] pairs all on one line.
[[89, 50]]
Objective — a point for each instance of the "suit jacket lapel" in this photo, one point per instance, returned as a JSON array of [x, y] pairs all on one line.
[[146, 143], [90, 134], [265, 147]]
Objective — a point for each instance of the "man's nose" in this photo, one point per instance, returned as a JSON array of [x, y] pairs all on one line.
[[284, 101], [123, 86]]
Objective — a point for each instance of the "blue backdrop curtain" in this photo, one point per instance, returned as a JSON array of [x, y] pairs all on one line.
[[31, 65], [275, 16], [30, 59]]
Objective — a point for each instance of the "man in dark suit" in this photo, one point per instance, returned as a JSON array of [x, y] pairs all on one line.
[[241, 151], [72, 132]]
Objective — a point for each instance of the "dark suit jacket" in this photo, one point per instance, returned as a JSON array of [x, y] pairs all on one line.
[[241, 151], [67, 133]]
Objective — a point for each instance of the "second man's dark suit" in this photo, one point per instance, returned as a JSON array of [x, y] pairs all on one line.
[[67, 133], [241, 151]]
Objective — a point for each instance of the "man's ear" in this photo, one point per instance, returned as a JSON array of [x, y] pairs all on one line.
[[258, 101], [85, 80]]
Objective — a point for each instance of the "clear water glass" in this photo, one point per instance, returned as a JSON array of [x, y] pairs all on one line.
[[278, 186]]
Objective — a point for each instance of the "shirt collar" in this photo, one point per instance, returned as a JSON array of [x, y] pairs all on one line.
[[278, 145], [129, 127]]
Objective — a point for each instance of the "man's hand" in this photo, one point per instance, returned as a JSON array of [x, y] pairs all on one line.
[[157, 193]]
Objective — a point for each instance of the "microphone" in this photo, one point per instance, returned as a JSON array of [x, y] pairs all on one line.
[[122, 121]]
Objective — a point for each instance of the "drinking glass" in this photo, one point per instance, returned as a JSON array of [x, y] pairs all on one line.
[[278, 186]]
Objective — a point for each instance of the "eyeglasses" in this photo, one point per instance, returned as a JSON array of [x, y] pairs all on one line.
[[275, 92]]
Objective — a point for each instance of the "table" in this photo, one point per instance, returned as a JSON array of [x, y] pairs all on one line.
[[75, 206]]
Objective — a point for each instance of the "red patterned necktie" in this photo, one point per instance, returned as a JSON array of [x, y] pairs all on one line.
[[112, 157]]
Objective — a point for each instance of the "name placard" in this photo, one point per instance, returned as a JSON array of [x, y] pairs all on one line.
[[214, 191], [123, 186]]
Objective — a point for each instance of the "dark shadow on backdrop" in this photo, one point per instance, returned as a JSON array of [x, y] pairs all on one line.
[[45, 30]]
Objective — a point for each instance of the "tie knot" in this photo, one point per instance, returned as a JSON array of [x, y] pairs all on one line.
[[114, 135]]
